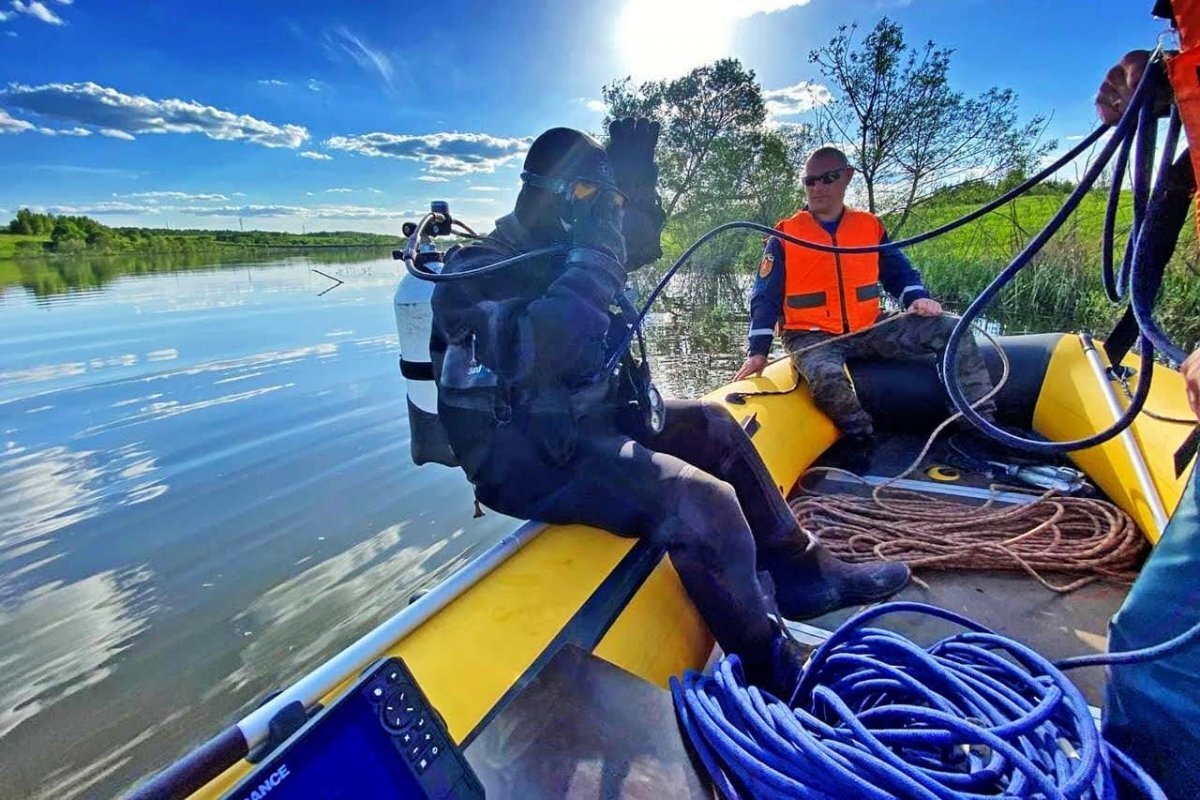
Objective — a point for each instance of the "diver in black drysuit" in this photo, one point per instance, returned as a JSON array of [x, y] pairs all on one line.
[[518, 356]]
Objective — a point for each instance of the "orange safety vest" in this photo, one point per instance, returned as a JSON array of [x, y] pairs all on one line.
[[1184, 71], [834, 292]]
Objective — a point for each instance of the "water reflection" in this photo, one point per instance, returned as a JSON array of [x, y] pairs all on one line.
[[369, 581], [49, 489], [63, 639], [47, 277], [209, 471]]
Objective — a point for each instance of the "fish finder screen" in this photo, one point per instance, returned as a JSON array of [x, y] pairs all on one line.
[[347, 754]]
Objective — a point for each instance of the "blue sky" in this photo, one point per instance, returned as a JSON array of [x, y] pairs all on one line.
[[299, 114]]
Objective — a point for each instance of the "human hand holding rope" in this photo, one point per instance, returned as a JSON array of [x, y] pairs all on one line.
[[926, 307], [1119, 85]]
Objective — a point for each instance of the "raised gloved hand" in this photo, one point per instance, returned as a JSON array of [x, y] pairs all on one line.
[[631, 154], [630, 150], [596, 225]]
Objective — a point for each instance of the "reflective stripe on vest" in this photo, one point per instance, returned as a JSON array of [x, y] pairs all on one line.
[[837, 293]]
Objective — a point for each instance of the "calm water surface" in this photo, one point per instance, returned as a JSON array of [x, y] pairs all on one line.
[[205, 491]]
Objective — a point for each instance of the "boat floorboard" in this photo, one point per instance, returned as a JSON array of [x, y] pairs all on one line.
[[1013, 604]]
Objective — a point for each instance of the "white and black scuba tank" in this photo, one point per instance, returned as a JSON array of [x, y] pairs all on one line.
[[414, 324]]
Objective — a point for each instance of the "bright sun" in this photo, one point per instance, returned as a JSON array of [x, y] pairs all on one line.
[[666, 38]]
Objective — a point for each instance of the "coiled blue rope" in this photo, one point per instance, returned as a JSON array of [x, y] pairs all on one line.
[[875, 716]]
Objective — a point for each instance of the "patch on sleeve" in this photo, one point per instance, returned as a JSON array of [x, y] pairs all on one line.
[[766, 265]]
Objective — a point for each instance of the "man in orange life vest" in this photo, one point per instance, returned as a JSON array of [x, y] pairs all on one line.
[[816, 296]]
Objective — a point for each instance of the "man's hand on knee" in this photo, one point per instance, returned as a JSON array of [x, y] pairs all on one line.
[[754, 366], [926, 307]]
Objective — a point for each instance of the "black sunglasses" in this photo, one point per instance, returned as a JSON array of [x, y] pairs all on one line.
[[825, 178]]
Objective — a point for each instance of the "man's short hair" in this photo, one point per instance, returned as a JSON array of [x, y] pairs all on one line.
[[831, 152]]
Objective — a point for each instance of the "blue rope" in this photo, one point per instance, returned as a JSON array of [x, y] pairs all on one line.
[[976, 715]]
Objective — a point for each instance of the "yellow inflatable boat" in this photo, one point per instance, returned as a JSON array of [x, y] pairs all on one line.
[[523, 654]]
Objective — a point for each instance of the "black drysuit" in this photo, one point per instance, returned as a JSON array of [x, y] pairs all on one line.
[[516, 354]]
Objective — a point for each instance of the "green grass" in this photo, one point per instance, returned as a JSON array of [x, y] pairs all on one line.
[[8, 243], [1061, 289]]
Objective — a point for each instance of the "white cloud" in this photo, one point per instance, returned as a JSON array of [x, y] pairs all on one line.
[[302, 212], [592, 104], [271, 82], [154, 197], [313, 155], [442, 153], [748, 8], [10, 125], [342, 41], [798, 98], [64, 131], [230, 211], [239, 194], [373, 190], [4, 15], [122, 116], [37, 10], [315, 85], [106, 208], [112, 133], [338, 190], [12, 34], [485, 188], [433, 179]]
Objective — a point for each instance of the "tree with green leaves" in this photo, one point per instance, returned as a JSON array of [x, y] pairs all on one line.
[[907, 130]]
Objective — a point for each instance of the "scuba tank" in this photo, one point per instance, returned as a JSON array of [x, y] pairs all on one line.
[[414, 323]]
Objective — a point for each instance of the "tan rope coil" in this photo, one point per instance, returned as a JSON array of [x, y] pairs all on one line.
[[1089, 538]]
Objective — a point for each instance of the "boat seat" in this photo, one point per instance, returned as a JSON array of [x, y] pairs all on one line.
[[587, 730], [905, 395]]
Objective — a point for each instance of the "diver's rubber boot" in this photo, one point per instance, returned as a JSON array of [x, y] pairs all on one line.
[[781, 671], [811, 581]]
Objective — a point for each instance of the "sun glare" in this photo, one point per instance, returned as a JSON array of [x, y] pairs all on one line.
[[665, 39]]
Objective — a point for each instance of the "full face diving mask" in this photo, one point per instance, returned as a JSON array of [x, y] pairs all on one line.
[[575, 190]]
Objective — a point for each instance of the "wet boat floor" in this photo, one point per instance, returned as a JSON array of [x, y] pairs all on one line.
[[1013, 604]]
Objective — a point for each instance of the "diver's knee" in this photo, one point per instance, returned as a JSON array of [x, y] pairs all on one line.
[[720, 421], [704, 512]]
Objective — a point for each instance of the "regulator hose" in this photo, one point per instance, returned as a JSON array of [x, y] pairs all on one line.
[[1125, 128], [976, 715]]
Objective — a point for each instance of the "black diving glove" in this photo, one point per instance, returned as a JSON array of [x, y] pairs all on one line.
[[631, 154], [596, 225], [631, 144]]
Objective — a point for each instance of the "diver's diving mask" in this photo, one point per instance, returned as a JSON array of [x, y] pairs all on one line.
[[574, 190]]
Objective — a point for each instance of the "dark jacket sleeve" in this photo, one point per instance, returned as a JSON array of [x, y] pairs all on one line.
[[766, 299], [557, 337], [899, 277]]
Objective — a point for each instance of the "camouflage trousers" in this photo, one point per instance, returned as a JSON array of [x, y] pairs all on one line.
[[824, 367]]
